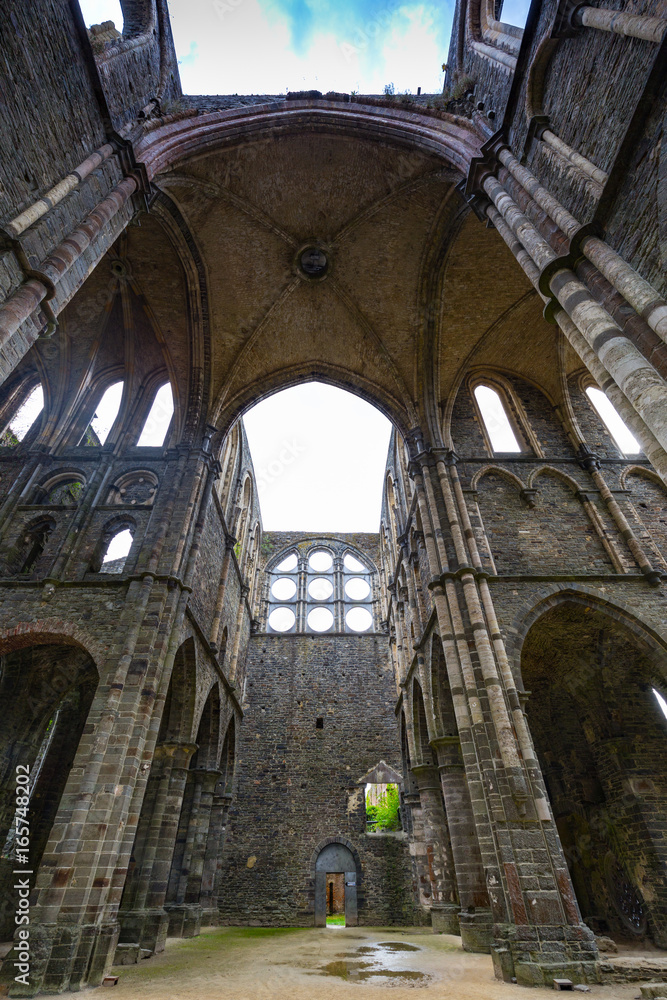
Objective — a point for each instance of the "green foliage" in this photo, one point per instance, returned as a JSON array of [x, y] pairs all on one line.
[[336, 921], [384, 815], [389, 89]]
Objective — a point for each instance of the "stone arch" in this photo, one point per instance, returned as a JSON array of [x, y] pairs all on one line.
[[138, 486], [400, 411], [208, 731], [111, 528], [46, 689], [57, 488], [600, 740], [178, 717], [443, 704], [647, 499], [25, 555], [422, 737], [497, 470], [228, 756], [552, 470], [183, 138], [655, 644]]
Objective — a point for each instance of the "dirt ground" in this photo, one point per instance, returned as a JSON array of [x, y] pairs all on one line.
[[358, 963]]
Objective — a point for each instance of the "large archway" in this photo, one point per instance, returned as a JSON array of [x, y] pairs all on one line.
[[46, 692], [600, 737]]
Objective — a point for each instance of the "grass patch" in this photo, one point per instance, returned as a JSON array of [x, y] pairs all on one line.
[[336, 921]]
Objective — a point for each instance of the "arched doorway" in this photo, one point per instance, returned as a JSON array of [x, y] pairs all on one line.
[[333, 861], [46, 691], [601, 737]]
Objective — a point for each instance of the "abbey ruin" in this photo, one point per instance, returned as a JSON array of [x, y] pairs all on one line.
[[198, 718]]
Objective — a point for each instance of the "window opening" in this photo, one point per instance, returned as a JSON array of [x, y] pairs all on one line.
[[514, 12], [158, 419], [661, 701], [319, 723], [624, 438], [283, 589], [320, 589], [320, 562], [495, 419], [9, 848], [320, 619], [287, 565], [357, 589], [332, 591], [35, 542], [117, 552], [104, 417], [100, 11], [282, 619], [382, 808], [359, 619], [353, 565], [25, 416]]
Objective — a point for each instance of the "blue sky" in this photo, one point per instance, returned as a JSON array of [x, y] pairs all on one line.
[[270, 46]]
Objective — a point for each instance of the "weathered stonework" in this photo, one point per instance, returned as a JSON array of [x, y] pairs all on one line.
[[193, 765]]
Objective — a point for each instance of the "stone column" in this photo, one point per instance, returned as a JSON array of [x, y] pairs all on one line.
[[436, 858], [143, 919], [185, 918], [475, 919], [203, 832], [210, 882]]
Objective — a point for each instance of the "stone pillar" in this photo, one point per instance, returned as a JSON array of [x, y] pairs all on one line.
[[143, 919], [203, 832], [436, 861], [210, 883], [475, 918], [185, 919]]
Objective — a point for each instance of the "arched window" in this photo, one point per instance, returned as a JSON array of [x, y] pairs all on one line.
[[159, 418], [105, 416], [496, 422], [661, 701], [328, 589], [113, 548], [24, 418], [32, 544], [625, 440]]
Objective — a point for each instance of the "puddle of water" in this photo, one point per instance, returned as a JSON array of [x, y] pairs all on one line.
[[344, 970], [360, 971], [350, 968], [398, 946]]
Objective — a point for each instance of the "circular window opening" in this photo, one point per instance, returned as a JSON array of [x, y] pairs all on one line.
[[288, 564], [320, 589], [320, 620], [359, 619], [357, 589], [283, 589], [320, 561], [282, 619], [313, 262], [353, 564]]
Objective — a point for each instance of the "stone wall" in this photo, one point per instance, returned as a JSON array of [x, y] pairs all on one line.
[[296, 784]]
